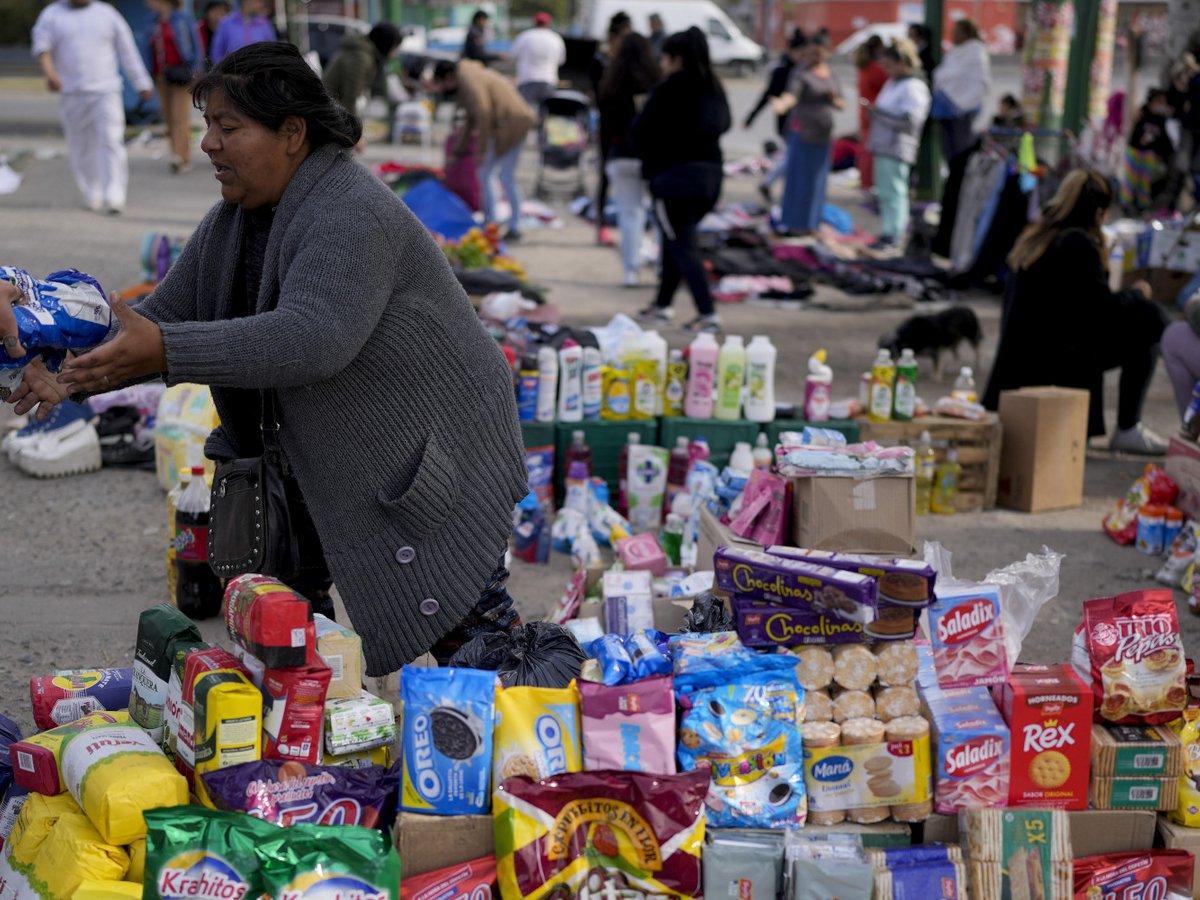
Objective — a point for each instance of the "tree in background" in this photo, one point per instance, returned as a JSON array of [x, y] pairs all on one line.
[[16, 20]]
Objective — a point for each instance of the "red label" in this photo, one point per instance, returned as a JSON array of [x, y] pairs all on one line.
[[1051, 722], [974, 756], [966, 621], [900, 748], [191, 544]]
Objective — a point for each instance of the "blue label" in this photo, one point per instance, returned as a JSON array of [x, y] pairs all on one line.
[[833, 768]]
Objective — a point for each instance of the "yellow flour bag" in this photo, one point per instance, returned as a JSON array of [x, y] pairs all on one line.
[[73, 853], [38, 817], [137, 861], [228, 724], [116, 772], [108, 890]]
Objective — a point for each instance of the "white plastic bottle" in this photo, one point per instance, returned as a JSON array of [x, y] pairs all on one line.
[[702, 377], [654, 346], [741, 460], [763, 457], [818, 387], [570, 386], [593, 383], [760, 379], [547, 384], [964, 386], [731, 379]]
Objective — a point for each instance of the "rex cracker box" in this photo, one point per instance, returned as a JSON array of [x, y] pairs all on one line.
[[1049, 711], [968, 637]]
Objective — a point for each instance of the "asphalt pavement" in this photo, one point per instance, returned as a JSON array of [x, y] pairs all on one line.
[[80, 557]]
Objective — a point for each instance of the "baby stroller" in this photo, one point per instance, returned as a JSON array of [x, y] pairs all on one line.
[[563, 121]]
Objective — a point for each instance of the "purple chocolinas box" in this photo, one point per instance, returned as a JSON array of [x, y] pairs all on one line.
[[903, 582], [762, 623], [844, 596]]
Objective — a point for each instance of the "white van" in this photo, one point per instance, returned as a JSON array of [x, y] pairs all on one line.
[[727, 45]]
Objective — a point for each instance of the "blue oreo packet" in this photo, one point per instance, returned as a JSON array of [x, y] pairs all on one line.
[[449, 715], [626, 658]]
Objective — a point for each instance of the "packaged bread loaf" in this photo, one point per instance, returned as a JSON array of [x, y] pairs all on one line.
[[818, 707], [877, 769], [815, 668], [912, 729], [854, 667], [822, 735]]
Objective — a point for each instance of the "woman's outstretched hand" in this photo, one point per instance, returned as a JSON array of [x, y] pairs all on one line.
[[136, 351]]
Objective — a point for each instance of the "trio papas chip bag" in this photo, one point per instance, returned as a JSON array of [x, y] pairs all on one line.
[[193, 852], [537, 732], [116, 772], [601, 834], [1134, 875], [315, 862]]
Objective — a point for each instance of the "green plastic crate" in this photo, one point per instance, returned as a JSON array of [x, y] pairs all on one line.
[[606, 439], [537, 434], [848, 427], [721, 435]]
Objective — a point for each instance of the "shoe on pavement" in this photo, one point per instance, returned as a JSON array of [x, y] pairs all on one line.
[[1138, 440], [710, 324], [604, 237], [632, 280], [656, 314], [68, 417], [117, 421], [129, 452], [55, 454]]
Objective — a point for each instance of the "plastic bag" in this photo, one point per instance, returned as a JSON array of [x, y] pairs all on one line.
[[707, 615], [539, 654], [1025, 587], [10, 733], [1154, 486]]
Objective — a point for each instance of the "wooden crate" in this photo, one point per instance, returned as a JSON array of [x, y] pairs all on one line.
[[978, 445]]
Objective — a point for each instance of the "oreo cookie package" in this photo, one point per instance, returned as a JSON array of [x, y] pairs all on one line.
[[447, 738]]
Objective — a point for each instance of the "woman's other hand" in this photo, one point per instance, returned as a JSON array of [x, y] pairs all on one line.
[[781, 104], [38, 388], [837, 101], [1144, 286], [136, 351]]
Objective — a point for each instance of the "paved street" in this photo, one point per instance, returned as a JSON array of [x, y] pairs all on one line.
[[80, 557]]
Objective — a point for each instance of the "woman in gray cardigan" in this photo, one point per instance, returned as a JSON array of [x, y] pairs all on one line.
[[396, 409]]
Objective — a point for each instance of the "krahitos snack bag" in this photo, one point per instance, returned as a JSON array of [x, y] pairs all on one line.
[[601, 834], [318, 862], [65, 697], [194, 853], [447, 739]]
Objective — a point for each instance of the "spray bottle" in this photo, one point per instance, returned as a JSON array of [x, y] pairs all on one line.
[[593, 383], [570, 390], [817, 388]]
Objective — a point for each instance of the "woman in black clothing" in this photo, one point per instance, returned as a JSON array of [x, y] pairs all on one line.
[[618, 26], [1063, 324], [677, 136]]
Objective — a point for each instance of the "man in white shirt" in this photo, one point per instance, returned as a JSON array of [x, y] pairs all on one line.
[[538, 53], [79, 44]]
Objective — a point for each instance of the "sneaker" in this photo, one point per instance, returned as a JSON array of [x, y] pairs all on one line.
[[512, 236], [57, 453], [118, 421], [659, 314], [68, 417], [883, 242], [765, 192], [709, 324], [1138, 440], [115, 210], [632, 280], [604, 237], [128, 452]]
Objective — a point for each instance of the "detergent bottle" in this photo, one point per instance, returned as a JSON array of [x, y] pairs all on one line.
[[883, 375], [593, 383], [675, 389], [817, 388], [547, 391], [905, 401], [731, 378], [702, 377], [760, 379], [570, 388], [926, 471], [945, 488]]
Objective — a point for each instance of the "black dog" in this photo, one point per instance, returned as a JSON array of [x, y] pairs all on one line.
[[930, 335]]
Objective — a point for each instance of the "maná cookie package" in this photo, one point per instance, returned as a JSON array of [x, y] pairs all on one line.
[[449, 716]]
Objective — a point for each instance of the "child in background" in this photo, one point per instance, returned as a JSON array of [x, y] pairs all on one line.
[[1148, 156]]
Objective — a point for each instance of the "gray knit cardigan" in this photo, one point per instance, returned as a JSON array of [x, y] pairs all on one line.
[[396, 408]]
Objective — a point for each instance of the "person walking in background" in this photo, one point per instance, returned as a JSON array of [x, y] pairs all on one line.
[[922, 39], [475, 45], [897, 117], [538, 52], [358, 63], [658, 34], [498, 118], [214, 12], [777, 84], [174, 57], [811, 100], [629, 77], [82, 46], [247, 26], [871, 78], [1148, 157], [960, 86], [618, 26], [677, 135]]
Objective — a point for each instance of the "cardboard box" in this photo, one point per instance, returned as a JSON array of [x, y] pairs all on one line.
[[426, 843], [850, 515], [713, 535], [1043, 449], [1174, 836], [1183, 465], [1093, 831], [1049, 710]]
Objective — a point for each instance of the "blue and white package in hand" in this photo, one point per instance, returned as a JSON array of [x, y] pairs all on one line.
[[625, 658], [65, 311], [742, 724]]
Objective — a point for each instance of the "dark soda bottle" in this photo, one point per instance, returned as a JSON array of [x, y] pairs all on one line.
[[198, 590]]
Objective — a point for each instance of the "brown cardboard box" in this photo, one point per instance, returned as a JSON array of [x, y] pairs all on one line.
[[1183, 465], [712, 535], [427, 843], [1092, 830], [1174, 836], [852, 515], [1043, 449]]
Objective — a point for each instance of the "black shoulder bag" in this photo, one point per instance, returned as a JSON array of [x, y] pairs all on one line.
[[250, 524]]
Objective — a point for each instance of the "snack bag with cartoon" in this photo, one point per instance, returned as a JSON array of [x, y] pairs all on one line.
[[743, 728], [536, 733], [601, 834], [1187, 809], [1130, 650], [313, 862], [193, 852]]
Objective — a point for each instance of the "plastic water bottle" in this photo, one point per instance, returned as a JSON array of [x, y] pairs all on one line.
[[945, 489], [926, 471], [964, 386], [905, 402], [198, 590]]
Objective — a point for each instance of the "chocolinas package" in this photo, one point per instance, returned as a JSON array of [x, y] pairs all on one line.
[[600, 834], [62, 698], [449, 715]]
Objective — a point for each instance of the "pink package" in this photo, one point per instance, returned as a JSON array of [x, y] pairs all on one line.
[[968, 637], [764, 513], [629, 727], [642, 553]]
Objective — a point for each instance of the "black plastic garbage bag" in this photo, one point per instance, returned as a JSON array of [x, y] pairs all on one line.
[[707, 615], [539, 654]]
